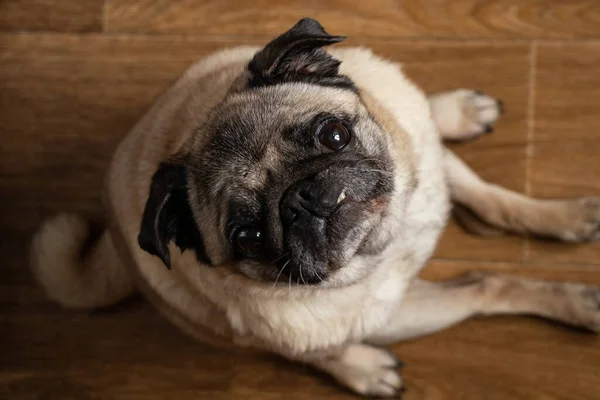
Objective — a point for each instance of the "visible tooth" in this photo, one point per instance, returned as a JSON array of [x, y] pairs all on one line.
[[341, 197]]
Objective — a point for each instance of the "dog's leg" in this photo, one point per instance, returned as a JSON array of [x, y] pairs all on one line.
[[464, 114], [431, 306], [572, 220]]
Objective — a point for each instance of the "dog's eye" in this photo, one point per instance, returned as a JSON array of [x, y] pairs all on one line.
[[334, 135], [248, 241]]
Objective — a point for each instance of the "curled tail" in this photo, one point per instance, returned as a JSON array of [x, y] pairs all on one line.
[[76, 271]]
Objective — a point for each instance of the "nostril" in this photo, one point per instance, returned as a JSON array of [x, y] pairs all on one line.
[[305, 195], [289, 214], [293, 215]]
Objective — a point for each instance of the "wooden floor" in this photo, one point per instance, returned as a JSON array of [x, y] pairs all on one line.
[[76, 74]]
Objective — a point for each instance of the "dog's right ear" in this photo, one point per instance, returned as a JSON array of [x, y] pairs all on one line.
[[297, 55], [168, 216]]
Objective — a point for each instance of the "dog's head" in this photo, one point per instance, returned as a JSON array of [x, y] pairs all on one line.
[[289, 178]]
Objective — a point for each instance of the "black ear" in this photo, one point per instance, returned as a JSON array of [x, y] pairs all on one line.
[[168, 216], [297, 55]]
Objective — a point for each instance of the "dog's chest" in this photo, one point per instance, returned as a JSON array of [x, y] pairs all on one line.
[[319, 318]]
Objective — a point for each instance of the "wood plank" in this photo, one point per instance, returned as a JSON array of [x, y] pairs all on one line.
[[65, 103], [565, 160], [377, 18], [565, 169], [567, 86], [51, 15]]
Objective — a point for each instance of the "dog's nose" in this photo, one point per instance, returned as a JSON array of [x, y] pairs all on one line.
[[311, 198]]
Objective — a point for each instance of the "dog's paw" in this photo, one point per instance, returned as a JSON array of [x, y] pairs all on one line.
[[582, 220], [584, 304], [367, 370], [464, 114]]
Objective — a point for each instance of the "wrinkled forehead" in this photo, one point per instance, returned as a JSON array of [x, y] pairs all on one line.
[[249, 129], [258, 114], [289, 102]]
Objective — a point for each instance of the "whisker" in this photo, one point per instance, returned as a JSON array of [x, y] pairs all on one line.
[[301, 275], [318, 276], [280, 257], [279, 274]]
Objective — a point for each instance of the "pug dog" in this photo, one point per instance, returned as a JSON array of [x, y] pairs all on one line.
[[285, 198]]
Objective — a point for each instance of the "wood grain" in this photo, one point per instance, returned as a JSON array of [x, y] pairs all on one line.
[[65, 102], [377, 18], [51, 15], [567, 91], [565, 169], [565, 161]]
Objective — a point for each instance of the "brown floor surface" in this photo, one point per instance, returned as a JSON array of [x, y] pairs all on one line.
[[74, 77]]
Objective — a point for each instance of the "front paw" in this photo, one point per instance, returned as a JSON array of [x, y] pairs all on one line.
[[465, 114], [367, 370]]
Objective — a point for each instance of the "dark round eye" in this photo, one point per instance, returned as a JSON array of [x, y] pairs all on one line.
[[334, 135], [248, 241]]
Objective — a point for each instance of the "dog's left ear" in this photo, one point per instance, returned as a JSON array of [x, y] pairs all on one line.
[[168, 216], [296, 55]]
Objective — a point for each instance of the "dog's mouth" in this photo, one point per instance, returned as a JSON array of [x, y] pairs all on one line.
[[327, 245], [322, 240], [346, 203]]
